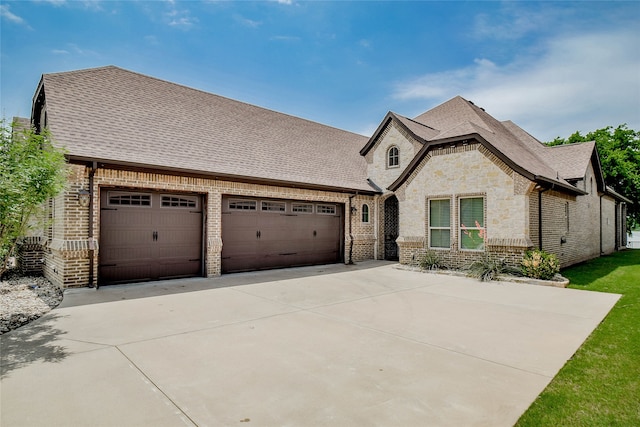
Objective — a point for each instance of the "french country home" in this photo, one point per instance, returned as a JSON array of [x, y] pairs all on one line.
[[168, 182]]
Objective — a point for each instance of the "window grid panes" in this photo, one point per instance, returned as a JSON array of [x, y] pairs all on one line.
[[326, 209], [440, 223], [242, 205], [273, 206], [178, 202], [393, 157], [472, 230], [130, 199], [302, 208], [365, 213]]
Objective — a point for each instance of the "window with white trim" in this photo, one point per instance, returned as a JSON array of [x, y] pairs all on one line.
[[326, 209], [302, 207], [365, 213], [440, 223], [273, 206], [242, 205], [393, 157], [178, 202], [472, 231], [129, 199]]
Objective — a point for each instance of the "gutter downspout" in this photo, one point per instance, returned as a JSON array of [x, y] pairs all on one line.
[[540, 217], [376, 200], [601, 223], [92, 172], [350, 261]]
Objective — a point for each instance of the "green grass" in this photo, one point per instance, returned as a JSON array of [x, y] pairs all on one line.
[[600, 384]]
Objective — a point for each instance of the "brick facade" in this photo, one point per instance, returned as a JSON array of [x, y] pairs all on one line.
[[575, 228], [69, 248]]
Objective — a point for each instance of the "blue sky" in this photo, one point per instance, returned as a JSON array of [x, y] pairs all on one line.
[[551, 67]]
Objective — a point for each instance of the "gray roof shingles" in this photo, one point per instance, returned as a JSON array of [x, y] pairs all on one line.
[[459, 118], [111, 114]]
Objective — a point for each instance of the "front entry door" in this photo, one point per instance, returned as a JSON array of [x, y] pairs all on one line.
[[391, 228]]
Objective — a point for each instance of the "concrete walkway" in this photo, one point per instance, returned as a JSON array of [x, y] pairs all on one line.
[[339, 345]]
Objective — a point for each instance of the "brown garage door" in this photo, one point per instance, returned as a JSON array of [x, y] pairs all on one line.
[[149, 236], [261, 234]]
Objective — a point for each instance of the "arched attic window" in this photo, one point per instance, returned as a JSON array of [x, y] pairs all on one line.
[[393, 157], [365, 213]]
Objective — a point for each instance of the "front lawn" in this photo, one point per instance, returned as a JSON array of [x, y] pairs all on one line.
[[600, 385]]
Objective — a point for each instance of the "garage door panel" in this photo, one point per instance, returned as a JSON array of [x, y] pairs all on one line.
[[256, 239], [124, 254], [151, 236], [124, 272]]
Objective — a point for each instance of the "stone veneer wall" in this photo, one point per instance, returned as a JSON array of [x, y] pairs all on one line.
[[377, 168], [69, 248], [465, 171]]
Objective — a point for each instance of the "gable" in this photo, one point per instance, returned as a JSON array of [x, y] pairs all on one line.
[[393, 136], [463, 171]]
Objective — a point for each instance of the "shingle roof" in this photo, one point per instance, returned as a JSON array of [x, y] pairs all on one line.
[[570, 160], [461, 119], [111, 114]]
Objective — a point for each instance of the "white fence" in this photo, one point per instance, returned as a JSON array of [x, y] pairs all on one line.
[[633, 241]]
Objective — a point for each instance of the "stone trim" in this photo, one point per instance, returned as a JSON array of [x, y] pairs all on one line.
[[496, 160], [509, 243]]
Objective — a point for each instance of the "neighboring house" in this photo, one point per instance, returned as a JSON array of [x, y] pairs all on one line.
[[167, 181]]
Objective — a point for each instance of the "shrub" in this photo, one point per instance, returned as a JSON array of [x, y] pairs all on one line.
[[539, 264], [431, 261], [488, 268], [31, 171]]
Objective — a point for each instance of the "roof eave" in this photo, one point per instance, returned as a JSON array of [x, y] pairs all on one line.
[[455, 139], [552, 184], [475, 136], [613, 193], [221, 176], [390, 117], [372, 141]]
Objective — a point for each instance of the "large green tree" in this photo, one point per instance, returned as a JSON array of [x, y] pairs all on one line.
[[619, 151], [31, 171]]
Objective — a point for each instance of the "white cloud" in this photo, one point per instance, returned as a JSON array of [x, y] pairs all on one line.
[[10, 16], [54, 2], [287, 2], [180, 18], [152, 40], [514, 20], [246, 21], [285, 38], [576, 82], [72, 48]]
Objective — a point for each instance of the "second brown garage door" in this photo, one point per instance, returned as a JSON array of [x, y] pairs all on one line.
[[261, 234]]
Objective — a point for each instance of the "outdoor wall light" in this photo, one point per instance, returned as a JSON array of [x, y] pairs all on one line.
[[83, 197], [354, 209]]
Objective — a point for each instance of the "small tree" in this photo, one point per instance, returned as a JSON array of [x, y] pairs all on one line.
[[32, 170]]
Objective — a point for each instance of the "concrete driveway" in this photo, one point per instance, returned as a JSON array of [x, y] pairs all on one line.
[[360, 345]]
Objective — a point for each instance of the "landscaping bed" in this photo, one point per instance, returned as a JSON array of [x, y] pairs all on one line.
[[24, 299]]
